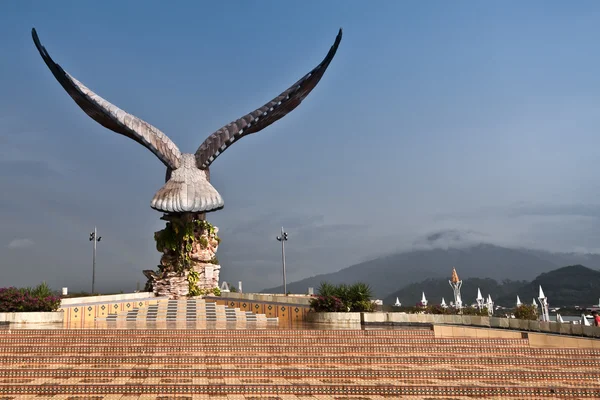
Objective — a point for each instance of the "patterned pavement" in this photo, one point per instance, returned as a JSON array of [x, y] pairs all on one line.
[[286, 364]]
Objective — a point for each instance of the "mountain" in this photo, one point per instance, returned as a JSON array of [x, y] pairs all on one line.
[[435, 289], [389, 274], [567, 286]]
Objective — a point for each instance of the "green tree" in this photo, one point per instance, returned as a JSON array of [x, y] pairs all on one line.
[[359, 297]]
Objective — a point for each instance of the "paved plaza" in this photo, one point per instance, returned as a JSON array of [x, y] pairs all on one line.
[[264, 363]]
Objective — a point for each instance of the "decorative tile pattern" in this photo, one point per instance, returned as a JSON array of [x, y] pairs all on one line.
[[187, 311], [286, 364]]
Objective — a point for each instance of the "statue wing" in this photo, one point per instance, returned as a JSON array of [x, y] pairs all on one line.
[[112, 117], [259, 119]]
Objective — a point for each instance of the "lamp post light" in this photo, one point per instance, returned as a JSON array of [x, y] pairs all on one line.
[[94, 238], [283, 238]]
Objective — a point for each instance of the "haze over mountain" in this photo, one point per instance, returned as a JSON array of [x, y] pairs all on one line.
[[387, 275]]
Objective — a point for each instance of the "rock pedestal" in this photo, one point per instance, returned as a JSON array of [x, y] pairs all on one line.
[[188, 266]]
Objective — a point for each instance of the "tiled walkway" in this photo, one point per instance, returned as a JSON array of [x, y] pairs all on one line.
[[286, 364]]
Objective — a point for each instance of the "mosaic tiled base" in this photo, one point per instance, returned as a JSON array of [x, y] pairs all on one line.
[[80, 315], [286, 313], [287, 364], [196, 313]]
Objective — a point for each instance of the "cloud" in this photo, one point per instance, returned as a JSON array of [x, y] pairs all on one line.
[[447, 238], [549, 226], [20, 243], [581, 210]]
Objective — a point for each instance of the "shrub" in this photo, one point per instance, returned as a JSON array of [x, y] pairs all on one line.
[[437, 309], [343, 298], [409, 309], [363, 306], [41, 290], [475, 311], [327, 304], [39, 298], [526, 311]]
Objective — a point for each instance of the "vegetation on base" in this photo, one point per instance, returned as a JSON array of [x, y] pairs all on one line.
[[40, 298], [194, 290], [178, 237], [192, 279], [343, 298]]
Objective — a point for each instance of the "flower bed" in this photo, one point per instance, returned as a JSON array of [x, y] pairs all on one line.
[[343, 298], [38, 299]]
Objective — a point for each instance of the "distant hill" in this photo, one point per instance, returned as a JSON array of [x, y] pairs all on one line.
[[567, 286], [389, 274], [435, 289]]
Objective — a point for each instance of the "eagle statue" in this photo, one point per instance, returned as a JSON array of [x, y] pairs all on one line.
[[187, 188]]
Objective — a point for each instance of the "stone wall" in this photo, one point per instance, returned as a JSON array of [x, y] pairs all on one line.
[[350, 318], [106, 298], [488, 322], [534, 339], [31, 317], [271, 298]]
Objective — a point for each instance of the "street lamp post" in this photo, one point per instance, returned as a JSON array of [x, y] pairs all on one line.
[[283, 238], [95, 238]]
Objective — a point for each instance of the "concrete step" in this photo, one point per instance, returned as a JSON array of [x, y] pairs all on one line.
[[283, 363], [394, 361], [278, 333], [176, 387], [266, 341], [448, 351]]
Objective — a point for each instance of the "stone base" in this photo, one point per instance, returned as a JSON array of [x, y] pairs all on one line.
[[189, 246], [175, 285], [209, 275], [171, 284]]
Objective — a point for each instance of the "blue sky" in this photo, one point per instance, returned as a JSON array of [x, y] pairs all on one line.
[[433, 116]]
